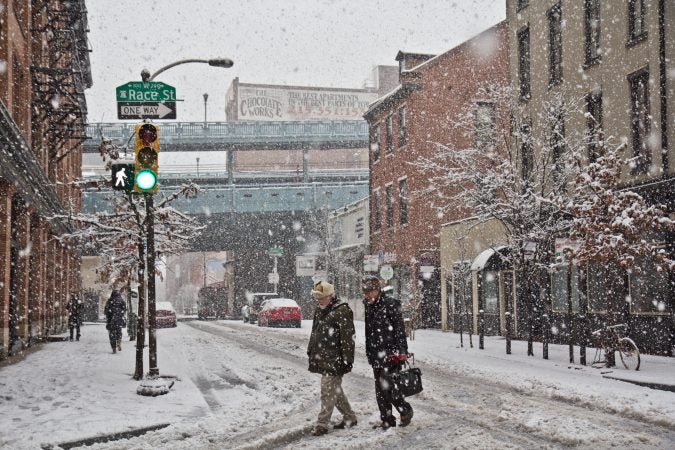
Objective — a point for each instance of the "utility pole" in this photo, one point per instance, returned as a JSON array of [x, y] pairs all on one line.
[[150, 264]]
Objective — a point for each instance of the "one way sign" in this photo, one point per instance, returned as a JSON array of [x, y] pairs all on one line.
[[146, 110]]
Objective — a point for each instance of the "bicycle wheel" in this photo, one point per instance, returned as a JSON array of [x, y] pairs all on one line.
[[629, 353]]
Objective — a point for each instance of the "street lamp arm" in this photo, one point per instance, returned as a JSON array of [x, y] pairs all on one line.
[[217, 62]]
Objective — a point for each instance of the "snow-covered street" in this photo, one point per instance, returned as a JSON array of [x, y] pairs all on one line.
[[242, 386]]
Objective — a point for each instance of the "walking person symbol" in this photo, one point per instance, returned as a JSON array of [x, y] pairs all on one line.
[[121, 177]]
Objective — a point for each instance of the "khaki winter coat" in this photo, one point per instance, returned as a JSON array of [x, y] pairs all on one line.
[[331, 344]]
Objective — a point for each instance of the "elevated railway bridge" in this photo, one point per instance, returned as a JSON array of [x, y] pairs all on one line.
[[265, 184]]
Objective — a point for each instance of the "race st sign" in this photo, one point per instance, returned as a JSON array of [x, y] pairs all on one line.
[[146, 100], [146, 91]]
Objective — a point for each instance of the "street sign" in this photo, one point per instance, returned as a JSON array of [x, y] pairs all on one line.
[[387, 272], [146, 100], [370, 263], [146, 110], [123, 177], [276, 251], [304, 265]]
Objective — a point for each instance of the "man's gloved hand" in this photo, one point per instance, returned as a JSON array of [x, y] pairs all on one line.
[[398, 358]]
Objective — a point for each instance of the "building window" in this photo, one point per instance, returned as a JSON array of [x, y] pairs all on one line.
[[526, 152], [592, 31], [640, 124], [555, 45], [650, 290], [403, 201], [377, 210], [390, 132], [401, 127], [461, 289], [485, 131], [557, 144], [389, 205], [490, 292], [559, 300], [524, 62], [594, 125], [605, 286], [636, 21], [375, 143], [522, 4]]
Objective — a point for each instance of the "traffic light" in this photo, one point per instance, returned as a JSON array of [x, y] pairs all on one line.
[[146, 158]]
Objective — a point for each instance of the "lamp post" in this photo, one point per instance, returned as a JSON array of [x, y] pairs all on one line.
[[206, 97], [150, 253], [217, 62]]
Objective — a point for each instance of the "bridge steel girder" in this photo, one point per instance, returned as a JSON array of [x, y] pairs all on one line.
[[252, 199], [241, 136]]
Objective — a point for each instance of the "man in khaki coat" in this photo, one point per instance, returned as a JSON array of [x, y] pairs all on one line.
[[331, 353]]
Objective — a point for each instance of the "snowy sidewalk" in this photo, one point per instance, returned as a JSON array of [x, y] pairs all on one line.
[[556, 377], [81, 389]]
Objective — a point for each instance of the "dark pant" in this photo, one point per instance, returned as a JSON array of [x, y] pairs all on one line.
[[115, 334], [388, 394], [73, 327]]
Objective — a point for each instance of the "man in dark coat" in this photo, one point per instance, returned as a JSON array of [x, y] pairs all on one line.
[[115, 311], [74, 308], [386, 349], [331, 353]]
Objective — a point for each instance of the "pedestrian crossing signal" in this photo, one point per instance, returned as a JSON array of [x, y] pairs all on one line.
[[123, 177], [146, 158]]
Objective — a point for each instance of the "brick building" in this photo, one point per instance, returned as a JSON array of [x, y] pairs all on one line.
[[620, 58], [405, 125], [44, 70]]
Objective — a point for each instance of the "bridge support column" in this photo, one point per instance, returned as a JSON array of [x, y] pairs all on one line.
[[229, 155], [305, 165]]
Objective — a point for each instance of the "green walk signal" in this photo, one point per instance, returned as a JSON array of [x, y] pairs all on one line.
[[146, 180]]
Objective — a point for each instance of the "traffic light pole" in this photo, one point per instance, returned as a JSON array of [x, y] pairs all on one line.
[[150, 267]]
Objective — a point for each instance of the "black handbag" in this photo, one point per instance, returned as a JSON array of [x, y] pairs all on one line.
[[408, 380]]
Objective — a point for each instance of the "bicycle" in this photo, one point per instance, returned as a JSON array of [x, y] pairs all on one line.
[[611, 339]]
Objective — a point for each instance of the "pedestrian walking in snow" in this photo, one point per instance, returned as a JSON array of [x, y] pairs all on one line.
[[331, 353], [115, 311], [74, 308], [386, 349]]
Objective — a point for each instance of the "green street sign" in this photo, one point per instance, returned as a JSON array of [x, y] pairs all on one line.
[[146, 100], [277, 250], [146, 91]]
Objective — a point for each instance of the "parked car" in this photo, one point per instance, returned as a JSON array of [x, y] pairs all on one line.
[[166, 315], [280, 312], [255, 300]]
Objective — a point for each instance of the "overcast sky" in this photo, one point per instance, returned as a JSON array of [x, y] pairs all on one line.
[[330, 43]]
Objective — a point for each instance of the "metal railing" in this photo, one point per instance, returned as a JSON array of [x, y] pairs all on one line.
[[233, 132]]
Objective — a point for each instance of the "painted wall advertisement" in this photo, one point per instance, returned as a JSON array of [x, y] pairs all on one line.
[[268, 103]]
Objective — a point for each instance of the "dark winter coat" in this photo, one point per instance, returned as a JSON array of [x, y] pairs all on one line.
[[331, 344], [115, 310], [385, 332], [74, 308]]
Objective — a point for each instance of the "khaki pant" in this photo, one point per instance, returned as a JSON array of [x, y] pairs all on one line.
[[333, 396]]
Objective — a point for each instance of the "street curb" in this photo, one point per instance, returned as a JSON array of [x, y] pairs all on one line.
[[105, 438], [658, 386]]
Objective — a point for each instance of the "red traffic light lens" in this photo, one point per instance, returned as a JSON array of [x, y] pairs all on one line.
[[147, 134]]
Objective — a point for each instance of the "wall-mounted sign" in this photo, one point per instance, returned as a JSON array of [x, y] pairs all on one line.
[[287, 103], [386, 272]]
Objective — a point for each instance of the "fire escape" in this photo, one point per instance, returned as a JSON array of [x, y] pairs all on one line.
[[60, 74]]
